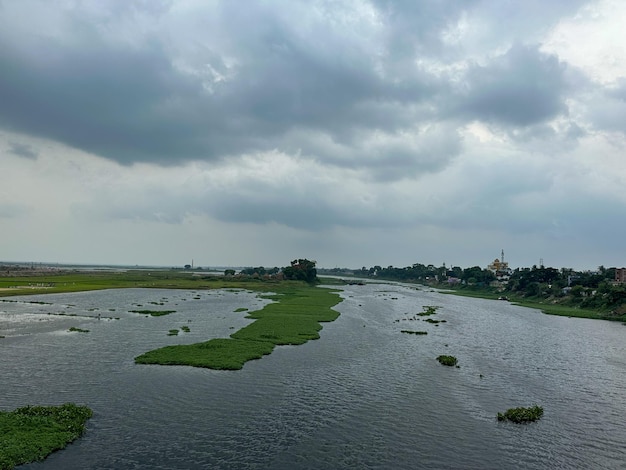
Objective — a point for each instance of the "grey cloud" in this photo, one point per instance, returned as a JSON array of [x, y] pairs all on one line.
[[135, 103], [10, 210], [112, 102], [510, 22], [22, 150], [607, 107], [520, 88]]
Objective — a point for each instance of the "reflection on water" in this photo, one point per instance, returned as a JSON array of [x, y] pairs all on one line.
[[362, 396]]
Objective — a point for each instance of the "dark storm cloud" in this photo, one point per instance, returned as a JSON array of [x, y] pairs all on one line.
[[299, 78], [135, 103], [520, 88], [112, 102]]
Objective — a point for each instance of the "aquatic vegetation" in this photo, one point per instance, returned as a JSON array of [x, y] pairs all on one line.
[[173, 332], [428, 310], [521, 414], [185, 328], [414, 332], [293, 318], [154, 313], [32, 433], [447, 360], [78, 330], [219, 353], [241, 309], [434, 322]]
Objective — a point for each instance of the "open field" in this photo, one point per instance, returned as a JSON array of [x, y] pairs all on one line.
[[77, 281]]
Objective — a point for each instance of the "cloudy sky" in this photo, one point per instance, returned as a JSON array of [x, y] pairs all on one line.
[[352, 132]]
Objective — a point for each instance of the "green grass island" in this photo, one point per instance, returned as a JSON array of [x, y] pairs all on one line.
[[294, 318]]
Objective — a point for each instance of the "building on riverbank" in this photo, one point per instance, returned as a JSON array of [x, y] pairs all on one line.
[[620, 275], [501, 269]]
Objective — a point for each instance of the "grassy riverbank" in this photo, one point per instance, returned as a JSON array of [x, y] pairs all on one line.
[[71, 281], [549, 308], [31, 433], [293, 319]]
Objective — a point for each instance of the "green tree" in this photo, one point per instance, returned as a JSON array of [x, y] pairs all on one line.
[[302, 270]]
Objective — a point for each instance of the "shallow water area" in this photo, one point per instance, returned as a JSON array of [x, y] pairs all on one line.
[[364, 395]]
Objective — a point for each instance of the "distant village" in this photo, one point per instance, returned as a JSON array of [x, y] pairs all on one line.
[[603, 289]]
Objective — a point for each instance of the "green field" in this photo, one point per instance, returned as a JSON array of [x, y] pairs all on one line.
[[68, 281]]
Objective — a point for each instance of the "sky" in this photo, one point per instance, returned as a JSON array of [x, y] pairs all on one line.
[[349, 132]]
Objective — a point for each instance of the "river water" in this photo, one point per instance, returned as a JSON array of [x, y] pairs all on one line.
[[363, 396]]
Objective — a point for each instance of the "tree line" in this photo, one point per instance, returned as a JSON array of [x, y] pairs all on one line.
[[587, 289]]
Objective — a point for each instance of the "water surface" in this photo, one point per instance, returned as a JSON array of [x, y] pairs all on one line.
[[363, 396]]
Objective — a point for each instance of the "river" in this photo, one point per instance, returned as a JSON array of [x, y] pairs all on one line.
[[363, 396]]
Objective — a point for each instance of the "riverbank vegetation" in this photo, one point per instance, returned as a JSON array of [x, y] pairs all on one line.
[[588, 294], [521, 414], [31, 433]]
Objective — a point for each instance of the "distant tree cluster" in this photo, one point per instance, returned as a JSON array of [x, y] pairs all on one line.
[[301, 270], [260, 270], [430, 273], [586, 289]]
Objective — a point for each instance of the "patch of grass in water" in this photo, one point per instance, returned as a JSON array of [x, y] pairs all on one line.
[[428, 310], [185, 328], [31, 433], [154, 313], [521, 414], [78, 330], [447, 360], [241, 309], [220, 353], [410, 332], [173, 332]]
